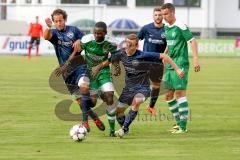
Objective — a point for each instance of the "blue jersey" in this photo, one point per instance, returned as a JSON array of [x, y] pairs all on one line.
[[63, 41], [154, 38], [136, 66]]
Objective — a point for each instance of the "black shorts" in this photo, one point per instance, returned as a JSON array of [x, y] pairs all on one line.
[[128, 94], [156, 72], [35, 39]]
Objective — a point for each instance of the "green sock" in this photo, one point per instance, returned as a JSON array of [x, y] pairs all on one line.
[[111, 115], [173, 107], [183, 112]]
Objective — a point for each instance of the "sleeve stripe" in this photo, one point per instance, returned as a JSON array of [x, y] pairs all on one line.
[[191, 39]]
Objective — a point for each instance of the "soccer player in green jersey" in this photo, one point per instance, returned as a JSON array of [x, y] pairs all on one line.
[[97, 48], [177, 36]]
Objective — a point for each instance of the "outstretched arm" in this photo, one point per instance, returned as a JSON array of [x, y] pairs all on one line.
[[167, 59]]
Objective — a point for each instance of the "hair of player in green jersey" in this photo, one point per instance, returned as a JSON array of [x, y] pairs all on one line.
[[101, 25], [169, 6], [59, 12]]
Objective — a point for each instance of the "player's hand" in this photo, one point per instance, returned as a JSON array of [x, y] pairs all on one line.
[[196, 65], [180, 73], [48, 22], [116, 70], [76, 46], [96, 69], [62, 70]]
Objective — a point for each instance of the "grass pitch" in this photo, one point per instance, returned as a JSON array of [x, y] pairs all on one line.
[[29, 128]]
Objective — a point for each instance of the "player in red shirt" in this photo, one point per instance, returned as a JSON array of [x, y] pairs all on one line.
[[35, 31]]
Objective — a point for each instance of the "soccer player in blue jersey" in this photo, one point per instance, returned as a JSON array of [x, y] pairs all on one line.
[[137, 85], [154, 41], [66, 42]]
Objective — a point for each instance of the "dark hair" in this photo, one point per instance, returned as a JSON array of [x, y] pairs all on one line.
[[101, 25], [133, 37], [157, 9], [169, 6], [59, 12]]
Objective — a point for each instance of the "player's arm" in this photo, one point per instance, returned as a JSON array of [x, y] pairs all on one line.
[[98, 67], [41, 31], [77, 44], [30, 30], [115, 61], [63, 68], [47, 32], [167, 59], [195, 55]]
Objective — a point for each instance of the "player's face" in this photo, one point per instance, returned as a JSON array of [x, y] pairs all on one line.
[[99, 34], [131, 46], [59, 22], [168, 15], [157, 17]]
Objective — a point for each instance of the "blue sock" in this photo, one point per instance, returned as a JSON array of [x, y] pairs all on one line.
[[86, 106], [121, 120], [129, 118], [154, 97]]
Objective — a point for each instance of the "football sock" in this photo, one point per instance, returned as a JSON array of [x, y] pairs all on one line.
[[121, 120], [29, 51], [37, 48], [111, 114], [129, 118], [183, 112], [173, 107], [86, 106], [154, 97]]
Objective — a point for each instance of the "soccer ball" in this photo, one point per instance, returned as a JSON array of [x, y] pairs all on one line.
[[78, 133]]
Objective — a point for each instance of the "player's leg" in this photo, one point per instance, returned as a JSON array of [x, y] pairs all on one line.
[[183, 109], [170, 99], [30, 47], [180, 93], [93, 98], [108, 90], [120, 113], [37, 46], [156, 73], [131, 115]]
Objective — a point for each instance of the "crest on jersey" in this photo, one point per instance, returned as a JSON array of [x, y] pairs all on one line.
[[173, 34], [135, 63], [70, 34], [163, 35]]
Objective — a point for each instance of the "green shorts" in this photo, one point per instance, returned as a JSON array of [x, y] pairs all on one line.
[[99, 80], [173, 82]]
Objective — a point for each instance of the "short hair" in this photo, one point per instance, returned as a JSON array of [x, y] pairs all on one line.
[[157, 9], [59, 12], [101, 25], [133, 37], [169, 6]]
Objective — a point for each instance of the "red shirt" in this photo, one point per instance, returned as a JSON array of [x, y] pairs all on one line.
[[35, 30]]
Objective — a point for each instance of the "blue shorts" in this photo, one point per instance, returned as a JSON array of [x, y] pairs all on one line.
[[128, 94], [72, 79]]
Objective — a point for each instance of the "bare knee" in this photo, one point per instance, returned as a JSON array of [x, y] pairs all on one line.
[[180, 93], [169, 95], [108, 96]]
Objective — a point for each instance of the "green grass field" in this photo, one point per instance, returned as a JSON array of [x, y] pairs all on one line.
[[29, 128]]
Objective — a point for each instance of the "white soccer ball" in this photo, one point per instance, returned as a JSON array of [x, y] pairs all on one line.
[[78, 133]]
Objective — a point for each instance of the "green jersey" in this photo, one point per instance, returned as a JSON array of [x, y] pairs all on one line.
[[177, 36], [97, 52]]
